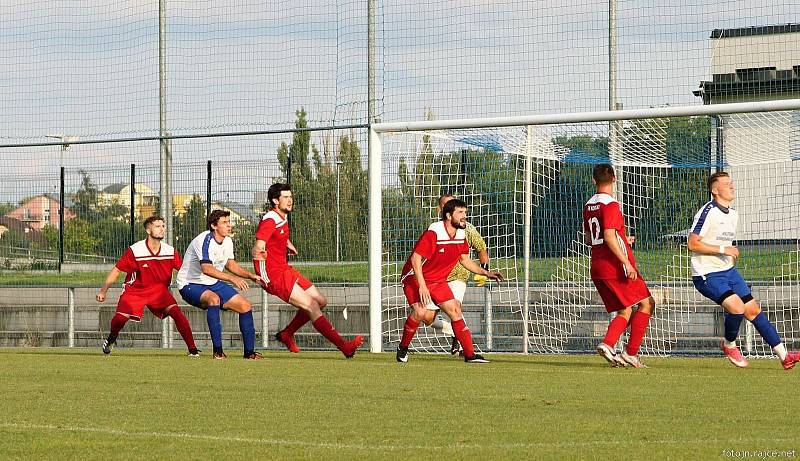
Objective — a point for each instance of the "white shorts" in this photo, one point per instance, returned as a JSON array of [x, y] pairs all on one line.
[[458, 288]]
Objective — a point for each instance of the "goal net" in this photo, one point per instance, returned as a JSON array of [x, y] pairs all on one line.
[[526, 186]]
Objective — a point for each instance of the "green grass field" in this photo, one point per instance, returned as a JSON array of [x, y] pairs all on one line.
[[152, 404]]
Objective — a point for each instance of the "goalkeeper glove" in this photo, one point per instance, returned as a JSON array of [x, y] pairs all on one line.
[[480, 280]]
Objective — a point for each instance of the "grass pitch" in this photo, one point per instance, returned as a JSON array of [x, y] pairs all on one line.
[[152, 404]]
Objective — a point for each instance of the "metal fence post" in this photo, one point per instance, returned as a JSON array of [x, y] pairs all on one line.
[[264, 319], [71, 317], [487, 295]]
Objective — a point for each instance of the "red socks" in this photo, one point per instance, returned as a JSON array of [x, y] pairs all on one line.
[[326, 329], [639, 322], [464, 336], [409, 329], [300, 319], [182, 324], [615, 330], [117, 322]]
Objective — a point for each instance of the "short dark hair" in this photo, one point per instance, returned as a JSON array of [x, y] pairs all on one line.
[[151, 220], [451, 206], [603, 173], [714, 178], [213, 218], [274, 192]]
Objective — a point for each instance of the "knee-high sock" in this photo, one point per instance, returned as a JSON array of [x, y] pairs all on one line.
[[464, 336], [326, 329], [732, 323], [182, 324], [248, 330], [766, 329], [214, 326], [117, 322], [639, 322], [409, 329], [615, 330], [300, 319]]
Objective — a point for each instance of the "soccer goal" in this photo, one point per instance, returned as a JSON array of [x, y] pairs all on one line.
[[526, 180]]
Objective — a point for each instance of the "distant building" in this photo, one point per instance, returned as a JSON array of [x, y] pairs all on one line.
[[758, 64], [21, 228], [40, 211], [145, 200]]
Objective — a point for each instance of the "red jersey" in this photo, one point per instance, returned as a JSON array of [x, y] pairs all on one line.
[[440, 252], [145, 268], [602, 212], [274, 230]]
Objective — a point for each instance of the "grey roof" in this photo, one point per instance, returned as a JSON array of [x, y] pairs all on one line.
[[756, 30], [241, 210], [116, 188]]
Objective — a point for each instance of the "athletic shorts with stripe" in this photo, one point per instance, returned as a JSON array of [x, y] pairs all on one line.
[[280, 283]]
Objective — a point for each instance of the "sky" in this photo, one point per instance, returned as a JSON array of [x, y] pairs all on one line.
[[90, 68]]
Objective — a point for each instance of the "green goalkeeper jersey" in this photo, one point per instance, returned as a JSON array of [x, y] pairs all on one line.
[[475, 242]]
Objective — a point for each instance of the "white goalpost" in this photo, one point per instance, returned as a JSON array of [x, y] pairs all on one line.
[[526, 179]]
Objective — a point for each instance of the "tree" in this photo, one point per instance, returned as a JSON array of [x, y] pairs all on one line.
[[191, 223]]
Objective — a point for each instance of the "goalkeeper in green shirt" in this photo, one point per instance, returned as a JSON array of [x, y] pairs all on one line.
[[459, 276]]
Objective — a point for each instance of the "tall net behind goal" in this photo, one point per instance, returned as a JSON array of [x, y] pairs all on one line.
[[533, 226]]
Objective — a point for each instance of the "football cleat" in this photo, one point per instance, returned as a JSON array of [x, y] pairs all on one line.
[[107, 346], [790, 360], [350, 347], [735, 356], [253, 356], [219, 355], [288, 341], [455, 346], [632, 360], [477, 358], [402, 354], [194, 353], [605, 351]]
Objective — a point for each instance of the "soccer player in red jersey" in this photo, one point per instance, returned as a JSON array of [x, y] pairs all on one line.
[[148, 264], [282, 280], [425, 273], [614, 273]]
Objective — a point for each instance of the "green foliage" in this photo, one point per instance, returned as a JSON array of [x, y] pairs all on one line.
[[314, 186], [6, 208], [190, 224]]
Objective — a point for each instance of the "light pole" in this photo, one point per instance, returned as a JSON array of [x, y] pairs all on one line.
[[338, 163], [66, 140]]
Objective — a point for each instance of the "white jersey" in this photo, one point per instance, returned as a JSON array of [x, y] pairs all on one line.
[[716, 225], [204, 249]]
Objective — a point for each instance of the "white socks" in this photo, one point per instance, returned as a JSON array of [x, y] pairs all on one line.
[[442, 325], [780, 349]]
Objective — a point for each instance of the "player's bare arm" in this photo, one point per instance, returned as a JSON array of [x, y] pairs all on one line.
[[291, 250], [238, 282], [631, 239], [416, 264], [610, 239], [471, 266], [110, 279], [240, 271], [259, 251], [697, 245]]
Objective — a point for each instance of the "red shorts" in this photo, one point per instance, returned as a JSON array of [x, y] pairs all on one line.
[[617, 294], [440, 292], [281, 282], [158, 300]]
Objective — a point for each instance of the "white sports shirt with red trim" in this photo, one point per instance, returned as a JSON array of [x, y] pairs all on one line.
[[440, 252], [600, 213], [145, 268]]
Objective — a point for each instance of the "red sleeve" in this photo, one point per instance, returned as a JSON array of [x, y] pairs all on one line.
[[426, 245], [265, 229], [127, 263], [177, 261], [612, 216]]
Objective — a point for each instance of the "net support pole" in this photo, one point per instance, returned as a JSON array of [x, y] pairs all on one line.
[[375, 245], [526, 239], [264, 319], [71, 317], [487, 294]]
